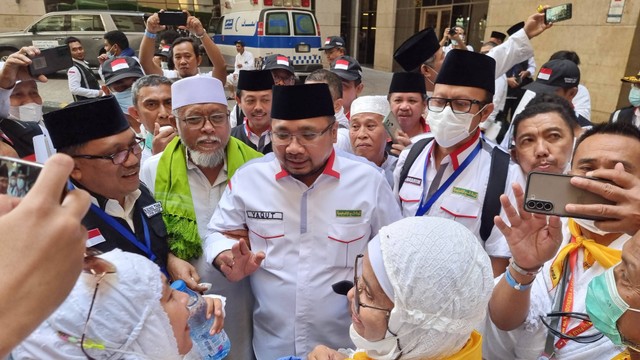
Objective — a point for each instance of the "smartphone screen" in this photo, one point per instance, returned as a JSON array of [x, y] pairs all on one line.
[[392, 126], [51, 60], [558, 13], [176, 18], [17, 176], [548, 194]]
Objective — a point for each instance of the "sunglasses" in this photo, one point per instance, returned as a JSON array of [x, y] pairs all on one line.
[[582, 339]]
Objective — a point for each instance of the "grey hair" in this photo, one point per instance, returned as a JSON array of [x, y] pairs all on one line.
[[145, 81]]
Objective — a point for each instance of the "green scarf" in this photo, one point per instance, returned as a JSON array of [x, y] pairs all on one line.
[[173, 191]]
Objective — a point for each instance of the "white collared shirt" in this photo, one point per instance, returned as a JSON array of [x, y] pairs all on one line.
[[114, 209], [311, 236]]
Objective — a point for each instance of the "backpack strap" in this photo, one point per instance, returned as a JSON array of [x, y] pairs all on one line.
[[497, 181], [415, 151]]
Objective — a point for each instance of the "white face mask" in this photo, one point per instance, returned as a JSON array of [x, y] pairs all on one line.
[[589, 225], [385, 349], [20, 183], [449, 128], [29, 112]]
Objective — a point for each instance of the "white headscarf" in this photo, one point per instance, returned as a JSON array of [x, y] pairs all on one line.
[[127, 316], [441, 279]]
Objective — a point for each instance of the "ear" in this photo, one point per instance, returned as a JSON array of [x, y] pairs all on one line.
[[514, 155], [133, 112], [488, 109], [359, 89], [76, 173], [571, 93], [337, 105], [334, 132]]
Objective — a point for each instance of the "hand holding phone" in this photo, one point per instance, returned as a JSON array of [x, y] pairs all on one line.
[[176, 18], [558, 13], [392, 126], [51, 60]]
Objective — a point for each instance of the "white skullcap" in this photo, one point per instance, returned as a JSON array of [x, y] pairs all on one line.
[[197, 90], [127, 315], [442, 280], [370, 104]]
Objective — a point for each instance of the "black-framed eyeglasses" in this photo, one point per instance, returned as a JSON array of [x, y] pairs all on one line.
[[458, 106], [356, 298], [197, 121], [119, 157], [582, 339], [304, 138]]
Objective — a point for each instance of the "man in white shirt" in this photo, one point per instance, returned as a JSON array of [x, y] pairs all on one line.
[[83, 84], [188, 178], [244, 61], [312, 213]]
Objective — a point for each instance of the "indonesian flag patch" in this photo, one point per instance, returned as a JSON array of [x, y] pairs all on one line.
[[326, 42], [95, 237], [119, 64], [544, 74], [282, 60], [342, 65]]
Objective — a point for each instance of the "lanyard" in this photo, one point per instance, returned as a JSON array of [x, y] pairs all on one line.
[[426, 206], [146, 247], [567, 305]]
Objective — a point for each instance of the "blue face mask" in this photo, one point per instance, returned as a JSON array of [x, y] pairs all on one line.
[[125, 99], [148, 139], [634, 96], [605, 305]]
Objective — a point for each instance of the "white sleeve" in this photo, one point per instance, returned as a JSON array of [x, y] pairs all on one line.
[[229, 215], [75, 84], [531, 66], [5, 101], [516, 49], [582, 102], [233, 117], [249, 62]]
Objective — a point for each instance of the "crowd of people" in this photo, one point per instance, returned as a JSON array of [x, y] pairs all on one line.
[[327, 224]]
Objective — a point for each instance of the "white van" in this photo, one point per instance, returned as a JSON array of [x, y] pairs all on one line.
[[271, 28]]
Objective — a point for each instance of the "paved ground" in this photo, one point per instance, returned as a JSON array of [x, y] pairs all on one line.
[[56, 90]]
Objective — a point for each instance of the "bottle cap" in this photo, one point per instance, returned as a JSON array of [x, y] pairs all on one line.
[[179, 285]]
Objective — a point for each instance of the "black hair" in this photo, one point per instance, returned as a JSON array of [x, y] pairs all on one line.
[[180, 40], [169, 36], [566, 55], [71, 39], [117, 37], [546, 103], [621, 128]]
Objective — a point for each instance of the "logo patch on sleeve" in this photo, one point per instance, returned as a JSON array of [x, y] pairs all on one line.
[[265, 215]]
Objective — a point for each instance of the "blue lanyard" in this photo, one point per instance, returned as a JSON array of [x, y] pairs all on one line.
[[426, 206], [146, 247]]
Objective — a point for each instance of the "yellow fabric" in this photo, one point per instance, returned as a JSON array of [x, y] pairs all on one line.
[[623, 356], [472, 350], [593, 251]]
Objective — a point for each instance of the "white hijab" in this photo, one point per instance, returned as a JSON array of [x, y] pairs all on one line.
[[126, 316]]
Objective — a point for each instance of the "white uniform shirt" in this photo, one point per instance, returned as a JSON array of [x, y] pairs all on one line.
[[173, 74], [343, 141], [516, 49], [75, 81], [388, 166], [311, 236], [462, 201], [528, 340], [246, 60], [255, 138], [205, 198]]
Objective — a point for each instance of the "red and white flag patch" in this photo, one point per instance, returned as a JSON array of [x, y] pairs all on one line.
[[342, 65], [544, 74], [94, 237], [119, 64], [282, 60], [326, 42]]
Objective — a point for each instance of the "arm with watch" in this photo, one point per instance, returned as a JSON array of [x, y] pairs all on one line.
[[148, 45], [533, 240], [213, 52]]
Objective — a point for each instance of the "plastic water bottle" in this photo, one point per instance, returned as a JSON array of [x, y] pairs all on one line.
[[210, 347]]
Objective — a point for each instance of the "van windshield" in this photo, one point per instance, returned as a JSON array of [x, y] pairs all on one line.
[[303, 24], [277, 23]]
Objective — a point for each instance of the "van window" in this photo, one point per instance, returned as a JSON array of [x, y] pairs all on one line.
[[51, 23], [277, 23], [303, 24], [129, 23], [87, 22]]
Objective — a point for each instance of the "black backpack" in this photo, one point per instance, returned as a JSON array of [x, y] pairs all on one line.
[[497, 181]]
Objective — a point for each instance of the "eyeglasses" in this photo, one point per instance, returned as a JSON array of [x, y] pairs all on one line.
[[356, 298], [582, 339], [459, 106], [119, 157], [197, 121], [305, 138]]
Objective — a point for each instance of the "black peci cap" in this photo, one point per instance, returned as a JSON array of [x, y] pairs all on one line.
[[299, 102], [468, 68]]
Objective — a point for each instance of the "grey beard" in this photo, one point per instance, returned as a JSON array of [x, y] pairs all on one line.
[[207, 160]]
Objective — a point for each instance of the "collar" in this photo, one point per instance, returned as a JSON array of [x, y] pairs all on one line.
[[83, 62], [112, 207], [329, 168], [250, 132], [471, 350], [460, 154]]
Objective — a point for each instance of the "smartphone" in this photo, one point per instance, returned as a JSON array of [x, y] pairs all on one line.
[[549, 194], [392, 125], [558, 13], [51, 60], [177, 18], [17, 176]]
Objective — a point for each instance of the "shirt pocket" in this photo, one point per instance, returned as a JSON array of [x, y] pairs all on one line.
[[345, 242], [462, 210], [265, 236]]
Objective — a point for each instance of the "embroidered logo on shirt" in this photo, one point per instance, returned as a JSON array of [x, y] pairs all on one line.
[[265, 215], [349, 213], [465, 192], [413, 180], [153, 209]]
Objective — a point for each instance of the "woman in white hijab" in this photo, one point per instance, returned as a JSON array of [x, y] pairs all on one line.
[[424, 286], [135, 315]]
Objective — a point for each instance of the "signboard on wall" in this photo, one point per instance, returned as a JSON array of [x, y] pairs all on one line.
[[615, 11]]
